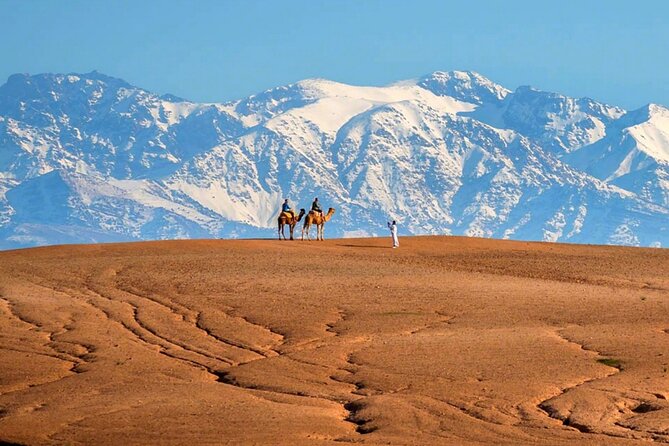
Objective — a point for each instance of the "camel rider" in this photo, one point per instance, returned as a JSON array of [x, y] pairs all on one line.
[[316, 207], [287, 209]]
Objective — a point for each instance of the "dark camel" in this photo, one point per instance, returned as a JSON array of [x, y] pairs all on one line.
[[287, 218]]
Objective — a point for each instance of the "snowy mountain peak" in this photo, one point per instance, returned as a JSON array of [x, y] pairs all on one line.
[[561, 103], [560, 123], [649, 126], [88, 157], [18, 83], [656, 111], [634, 154], [467, 86], [36, 94]]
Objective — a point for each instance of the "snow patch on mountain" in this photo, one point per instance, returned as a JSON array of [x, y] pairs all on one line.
[[652, 134]]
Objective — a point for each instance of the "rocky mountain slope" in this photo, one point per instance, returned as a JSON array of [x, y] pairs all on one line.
[[90, 158]]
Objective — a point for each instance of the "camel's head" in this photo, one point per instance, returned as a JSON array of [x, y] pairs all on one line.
[[330, 213], [299, 217]]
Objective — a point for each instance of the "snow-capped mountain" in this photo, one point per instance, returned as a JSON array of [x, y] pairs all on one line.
[[634, 155], [87, 158]]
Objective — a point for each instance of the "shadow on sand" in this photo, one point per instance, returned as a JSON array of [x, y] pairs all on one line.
[[364, 246]]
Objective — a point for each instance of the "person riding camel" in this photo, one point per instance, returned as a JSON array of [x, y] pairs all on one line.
[[316, 207], [287, 209]]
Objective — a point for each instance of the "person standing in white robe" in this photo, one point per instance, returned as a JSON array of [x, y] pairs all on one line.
[[393, 233]]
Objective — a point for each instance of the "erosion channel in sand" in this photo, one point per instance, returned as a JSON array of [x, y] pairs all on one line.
[[445, 341]]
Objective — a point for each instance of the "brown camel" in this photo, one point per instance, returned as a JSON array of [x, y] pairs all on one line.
[[315, 218], [286, 218]]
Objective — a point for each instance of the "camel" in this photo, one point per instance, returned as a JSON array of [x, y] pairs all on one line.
[[286, 218], [314, 218]]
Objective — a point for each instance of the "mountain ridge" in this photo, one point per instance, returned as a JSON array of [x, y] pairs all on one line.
[[445, 153]]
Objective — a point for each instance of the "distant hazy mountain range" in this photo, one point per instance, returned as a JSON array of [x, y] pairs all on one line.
[[91, 158]]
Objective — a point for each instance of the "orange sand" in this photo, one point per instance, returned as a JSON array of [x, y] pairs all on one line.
[[444, 341]]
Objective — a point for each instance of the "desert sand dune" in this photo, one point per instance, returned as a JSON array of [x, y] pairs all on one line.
[[445, 341]]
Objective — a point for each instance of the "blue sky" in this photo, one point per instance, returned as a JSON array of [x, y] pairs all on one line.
[[205, 50]]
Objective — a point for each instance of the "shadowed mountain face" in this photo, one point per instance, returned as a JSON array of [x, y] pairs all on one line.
[[445, 341], [87, 157]]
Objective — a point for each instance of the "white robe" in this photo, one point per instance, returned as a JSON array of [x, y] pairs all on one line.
[[393, 234]]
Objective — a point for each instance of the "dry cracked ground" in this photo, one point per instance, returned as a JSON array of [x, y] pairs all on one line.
[[444, 341]]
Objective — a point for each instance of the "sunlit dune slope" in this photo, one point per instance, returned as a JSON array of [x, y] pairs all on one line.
[[443, 341]]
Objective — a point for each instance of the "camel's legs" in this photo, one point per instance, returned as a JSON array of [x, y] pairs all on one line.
[[280, 230], [292, 229]]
